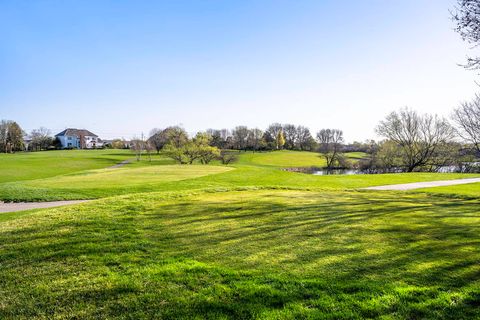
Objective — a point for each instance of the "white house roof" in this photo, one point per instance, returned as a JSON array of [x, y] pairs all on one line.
[[76, 133]]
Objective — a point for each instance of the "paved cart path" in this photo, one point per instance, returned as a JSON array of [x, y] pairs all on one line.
[[118, 165], [428, 184], [20, 206]]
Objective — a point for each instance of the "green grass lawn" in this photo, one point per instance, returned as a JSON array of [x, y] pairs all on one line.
[[37, 165], [244, 241], [466, 190], [265, 254], [150, 178], [160, 175], [286, 158]]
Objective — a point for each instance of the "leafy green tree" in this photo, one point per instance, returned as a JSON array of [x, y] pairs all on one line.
[[208, 153], [175, 153], [194, 149]]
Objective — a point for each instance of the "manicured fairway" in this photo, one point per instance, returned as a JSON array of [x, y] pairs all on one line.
[[158, 175], [244, 241], [267, 254], [36, 165], [470, 190], [286, 158], [112, 182]]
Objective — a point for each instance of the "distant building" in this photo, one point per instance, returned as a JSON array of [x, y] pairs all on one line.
[[78, 139]]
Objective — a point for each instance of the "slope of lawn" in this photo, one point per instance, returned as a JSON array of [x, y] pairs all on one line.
[[135, 178], [36, 165], [287, 158], [266, 254], [466, 190], [283, 158]]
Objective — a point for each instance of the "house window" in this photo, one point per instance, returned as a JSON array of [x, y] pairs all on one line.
[[69, 138]]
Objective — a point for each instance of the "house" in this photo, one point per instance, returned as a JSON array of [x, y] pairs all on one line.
[[79, 139]]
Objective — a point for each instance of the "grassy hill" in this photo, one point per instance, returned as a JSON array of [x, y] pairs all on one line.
[[160, 175], [37, 165], [245, 241], [286, 158]]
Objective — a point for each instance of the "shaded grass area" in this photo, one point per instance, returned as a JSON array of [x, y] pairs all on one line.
[[264, 254]]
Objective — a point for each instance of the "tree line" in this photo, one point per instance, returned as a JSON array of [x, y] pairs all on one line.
[[411, 142], [12, 138]]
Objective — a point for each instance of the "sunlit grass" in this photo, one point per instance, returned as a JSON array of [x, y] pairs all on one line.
[[245, 254], [36, 165]]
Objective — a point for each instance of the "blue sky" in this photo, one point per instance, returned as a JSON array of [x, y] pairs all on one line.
[[120, 68]]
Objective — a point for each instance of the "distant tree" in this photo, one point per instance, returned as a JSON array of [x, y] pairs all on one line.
[[255, 139], [137, 146], [388, 155], [467, 18], [280, 140], [330, 144], [41, 139], [198, 148], [216, 138], [290, 135], [272, 131], [15, 136], [118, 144], [304, 139], [176, 136], [4, 127], [11, 136], [269, 141], [227, 157], [418, 136], [240, 136], [467, 118], [149, 149], [157, 139]]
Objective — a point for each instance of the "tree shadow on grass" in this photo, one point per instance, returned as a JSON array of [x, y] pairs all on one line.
[[273, 254]]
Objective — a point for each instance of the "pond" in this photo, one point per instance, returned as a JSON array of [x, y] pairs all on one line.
[[473, 167], [324, 172]]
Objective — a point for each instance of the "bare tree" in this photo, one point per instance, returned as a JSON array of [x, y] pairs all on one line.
[[330, 143], [137, 146], [254, 139], [41, 139], [240, 135], [467, 118], [419, 136], [467, 17], [149, 148]]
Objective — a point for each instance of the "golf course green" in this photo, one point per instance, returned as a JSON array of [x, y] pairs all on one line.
[[244, 241]]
